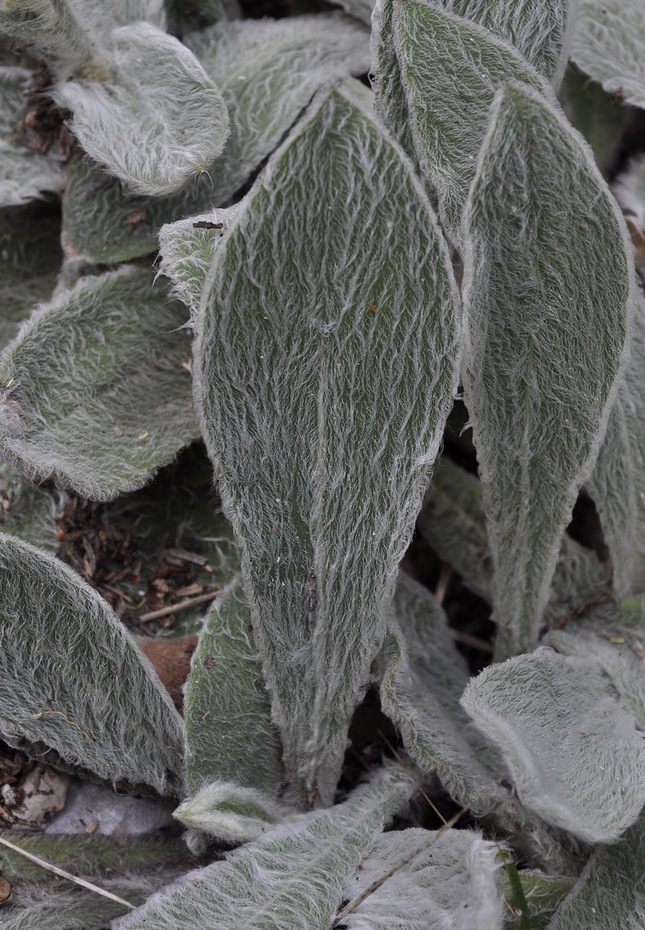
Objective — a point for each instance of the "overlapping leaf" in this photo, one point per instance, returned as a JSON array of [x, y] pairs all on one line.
[[157, 120], [609, 45], [617, 483], [611, 889], [613, 636], [454, 523], [292, 879], [76, 33], [267, 72], [572, 746], [72, 679], [321, 308], [233, 750], [538, 29], [449, 70], [97, 385], [421, 678], [451, 884], [548, 293]]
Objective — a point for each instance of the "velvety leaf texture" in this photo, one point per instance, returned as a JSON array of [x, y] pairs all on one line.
[[538, 29], [609, 45], [58, 905], [320, 309], [548, 295], [389, 86], [421, 678], [75, 34], [267, 72], [233, 813], [617, 483], [576, 755], [28, 511], [97, 388], [451, 69], [289, 880], [229, 734], [158, 121], [453, 521], [450, 885], [611, 889], [71, 677], [612, 636]]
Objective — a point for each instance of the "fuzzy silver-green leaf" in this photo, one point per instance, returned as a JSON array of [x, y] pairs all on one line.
[[97, 385], [157, 120], [291, 879], [71, 678], [548, 296], [320, 308], [573, 747]]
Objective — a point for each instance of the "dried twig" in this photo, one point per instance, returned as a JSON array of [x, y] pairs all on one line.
[[399, 865], [63, 874], [182, 605]]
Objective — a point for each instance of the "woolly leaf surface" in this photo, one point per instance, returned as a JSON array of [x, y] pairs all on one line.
[[609, 45], [99, 388], [229, 733], [572, 746], [30, 259], [291, 879], [24, 175], [617, 483], [322, 306], [612, 636], [421, 678], [72, 678], [57, 905], [538, 29], [188, 248], [157, 121], [543, 894], [450, 70], [611, 889], [231, 812], [548, 300], [27, 511], [451, 884], [453, 521], [390, 97], [267, 72], [88, 855], [75, 34]]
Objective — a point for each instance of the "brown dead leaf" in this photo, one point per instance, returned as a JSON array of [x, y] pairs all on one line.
[[43, 793], [5, 890]]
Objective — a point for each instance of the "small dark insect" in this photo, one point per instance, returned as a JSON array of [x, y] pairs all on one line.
[[205, 224]]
